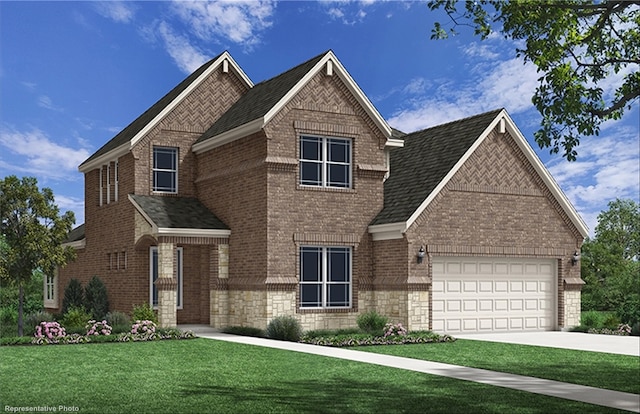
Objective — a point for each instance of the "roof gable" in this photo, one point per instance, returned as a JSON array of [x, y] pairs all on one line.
[[429, 160], [130, 135], [262, 102]]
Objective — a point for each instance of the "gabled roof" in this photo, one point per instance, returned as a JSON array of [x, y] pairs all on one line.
[[185, 216], [262, 102], [76, 238], [129, 136], [430, 158]]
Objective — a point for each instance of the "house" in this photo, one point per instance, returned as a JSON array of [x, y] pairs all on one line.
[[228, 203]]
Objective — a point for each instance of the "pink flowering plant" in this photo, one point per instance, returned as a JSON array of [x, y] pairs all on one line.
[[145, 327], [49, 332], [391, 329], [98, 328]]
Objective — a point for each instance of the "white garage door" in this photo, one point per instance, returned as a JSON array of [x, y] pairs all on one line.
[[493, 295]]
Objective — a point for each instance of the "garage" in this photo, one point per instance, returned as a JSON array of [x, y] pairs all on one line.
[[472, 294]]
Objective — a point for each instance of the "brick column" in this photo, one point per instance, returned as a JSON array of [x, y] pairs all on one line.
[[167, 286]]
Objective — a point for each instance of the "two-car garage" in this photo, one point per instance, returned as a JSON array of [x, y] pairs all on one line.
[[486, 294]]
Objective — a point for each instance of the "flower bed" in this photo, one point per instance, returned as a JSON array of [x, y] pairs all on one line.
[[397, 338]]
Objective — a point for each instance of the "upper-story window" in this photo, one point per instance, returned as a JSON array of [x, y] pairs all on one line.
[[165, 169], [325, 162]]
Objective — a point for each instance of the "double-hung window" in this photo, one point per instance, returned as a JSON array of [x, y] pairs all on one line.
[[165, 170], [325, 277], [325, 162]]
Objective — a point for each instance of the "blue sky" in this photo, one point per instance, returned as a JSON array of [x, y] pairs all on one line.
[[73, 74]]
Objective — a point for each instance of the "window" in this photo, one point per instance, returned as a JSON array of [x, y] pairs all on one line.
[[101, 186], [50, 290], [115, 173], [325, 277], [325, 162], [108, 183], [165, 170], [153, 276]]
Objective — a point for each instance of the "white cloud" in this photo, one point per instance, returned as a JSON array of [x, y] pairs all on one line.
[[33, 152], [46, 102], [238, 21], [74, 204], [348, 12], [508, 84], [187, 57], [117, 11]]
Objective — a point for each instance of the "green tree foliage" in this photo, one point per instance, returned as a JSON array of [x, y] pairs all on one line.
[[578, 46], [33, 230], [73, 296], [610, 262], [95, 297]]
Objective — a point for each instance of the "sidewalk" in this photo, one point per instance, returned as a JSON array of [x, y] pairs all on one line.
[[591, 395]]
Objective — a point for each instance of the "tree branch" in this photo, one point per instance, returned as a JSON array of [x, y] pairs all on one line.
[[620, 103]]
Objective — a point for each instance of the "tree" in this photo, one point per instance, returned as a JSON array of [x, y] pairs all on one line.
[[33, 231], [96, 298], [578, 46], [610, 262]]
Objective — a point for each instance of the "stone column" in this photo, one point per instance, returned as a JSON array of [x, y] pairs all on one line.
[[167, 286]]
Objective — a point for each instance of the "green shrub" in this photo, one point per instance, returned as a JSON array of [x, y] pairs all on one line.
[[610, 320], [244, 331], [34, 319], [635, 329], [629, 310], [73, 296], [284, 328], [144, 312], [372, 323], [592, 319], [95, 298], [116, 318], [75, 318], [8, 316]]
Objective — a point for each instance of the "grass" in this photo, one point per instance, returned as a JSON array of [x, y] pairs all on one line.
[[202, 375], [601, 370]]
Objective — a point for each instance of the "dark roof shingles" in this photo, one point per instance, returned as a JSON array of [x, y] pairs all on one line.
[[259, 100], [140, 122], [179, 213], [424, 161]]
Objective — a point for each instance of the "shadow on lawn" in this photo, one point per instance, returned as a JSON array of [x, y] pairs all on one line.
[[433, 395]]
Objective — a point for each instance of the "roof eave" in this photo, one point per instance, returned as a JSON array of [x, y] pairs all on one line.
[[105, 158], [388, 231], [236, 133], [220, 233], [77, 244]]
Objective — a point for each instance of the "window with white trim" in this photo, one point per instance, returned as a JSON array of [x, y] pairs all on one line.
[[115, 173], [101, 186], [108, 183], [165, 170], [50, 290], [325, 277], [325, 161], [153, 276]]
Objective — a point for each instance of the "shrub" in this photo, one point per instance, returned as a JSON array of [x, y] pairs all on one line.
[[284, 328], [144, 312], [116, 318], [591, 319], [244, 331], [75, 318], [143, 327], [73, 296], [635, 329], [394, 330], [8, 316], [51, 331], [98, 328], [610, 321], [34, 319], [95, 298], [372, 323]]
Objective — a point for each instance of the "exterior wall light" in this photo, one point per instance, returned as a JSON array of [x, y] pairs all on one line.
[[421, 254], [575, 258]]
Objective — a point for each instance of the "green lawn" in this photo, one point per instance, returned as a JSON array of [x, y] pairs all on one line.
[[615, 372], [201, 375]]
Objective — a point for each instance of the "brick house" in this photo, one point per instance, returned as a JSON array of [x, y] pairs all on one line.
[[228, 203]]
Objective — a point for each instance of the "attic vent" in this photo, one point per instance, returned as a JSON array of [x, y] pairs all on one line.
[[502, 126], [225, 66], [329, 68]]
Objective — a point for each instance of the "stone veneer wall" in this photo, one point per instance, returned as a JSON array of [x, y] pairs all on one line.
[[571, 308]]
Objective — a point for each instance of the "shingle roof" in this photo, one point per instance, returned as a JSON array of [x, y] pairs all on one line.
[[140, 122], [178, 213], [76, 234], [259, 100], [424, 161]]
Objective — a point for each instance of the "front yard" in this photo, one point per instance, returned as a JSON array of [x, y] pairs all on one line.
[[202, 375]]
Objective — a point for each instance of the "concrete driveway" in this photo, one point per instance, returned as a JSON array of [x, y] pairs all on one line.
[[613, 344]]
